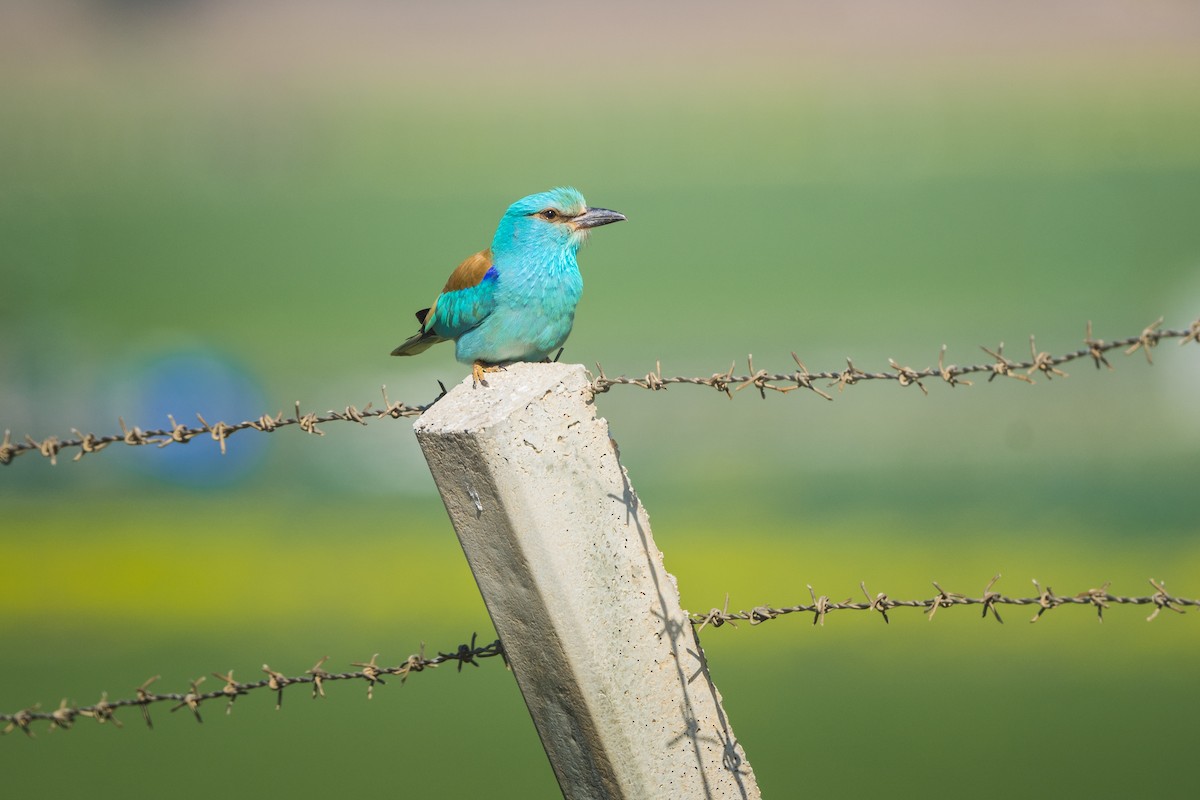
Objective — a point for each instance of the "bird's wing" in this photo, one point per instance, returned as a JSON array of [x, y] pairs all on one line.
[[470, 272], [468, 297]]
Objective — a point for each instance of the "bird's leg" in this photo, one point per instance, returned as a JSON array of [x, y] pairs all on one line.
[[479, 367]]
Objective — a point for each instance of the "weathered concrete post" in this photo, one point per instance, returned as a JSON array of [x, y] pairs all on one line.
[[610, 668]]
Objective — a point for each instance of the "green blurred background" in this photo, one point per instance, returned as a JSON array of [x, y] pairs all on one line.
[[224, 208]]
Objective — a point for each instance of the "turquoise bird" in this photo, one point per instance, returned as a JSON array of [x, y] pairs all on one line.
[[514, 301]]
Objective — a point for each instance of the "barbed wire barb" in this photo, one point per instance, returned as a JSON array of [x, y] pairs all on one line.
[[1097, 348], [880, 603], [1004, 366], [1042, 362], [802, 378], [1147, 341], [1046, 600], [192, 700], [950, 374], [1193, 334], [1162, 600], [143, 700], [371, 674]]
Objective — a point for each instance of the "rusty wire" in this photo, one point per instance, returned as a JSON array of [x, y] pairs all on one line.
[[1002, 366], [725, 382], [372, 673], [317, 676], [1099, 599], [219, 431]]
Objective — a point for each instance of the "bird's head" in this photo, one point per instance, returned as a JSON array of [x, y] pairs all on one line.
[[555, 221]]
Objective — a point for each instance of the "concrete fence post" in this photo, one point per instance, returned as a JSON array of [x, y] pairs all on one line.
[[608, 663]]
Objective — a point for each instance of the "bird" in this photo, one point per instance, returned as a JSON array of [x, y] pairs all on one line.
[[514, 301]]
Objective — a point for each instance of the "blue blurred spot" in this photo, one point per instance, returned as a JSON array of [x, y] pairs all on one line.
[[184, 382]]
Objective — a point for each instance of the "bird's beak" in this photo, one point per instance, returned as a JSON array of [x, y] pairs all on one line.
[[595, 217]]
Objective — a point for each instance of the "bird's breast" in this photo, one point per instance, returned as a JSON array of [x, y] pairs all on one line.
[[553, 287]]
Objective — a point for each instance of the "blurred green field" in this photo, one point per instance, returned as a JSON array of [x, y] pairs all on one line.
[[183, 232], [839, 709]]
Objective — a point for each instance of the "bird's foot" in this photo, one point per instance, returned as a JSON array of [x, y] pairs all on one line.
[[479, 368], [549, 360]]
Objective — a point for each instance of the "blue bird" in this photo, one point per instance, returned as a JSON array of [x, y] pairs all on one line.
[[514, 301]]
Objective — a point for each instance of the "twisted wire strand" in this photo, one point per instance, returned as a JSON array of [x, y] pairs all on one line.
[[104, 711], [1002, 366], [1046, 600]]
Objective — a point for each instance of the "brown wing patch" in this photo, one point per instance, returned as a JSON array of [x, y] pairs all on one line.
[[470, 272]]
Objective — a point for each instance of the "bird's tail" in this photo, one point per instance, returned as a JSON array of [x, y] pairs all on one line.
[[418, 343]]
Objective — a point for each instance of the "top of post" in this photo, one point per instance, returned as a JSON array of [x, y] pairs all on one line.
[[471, 407]]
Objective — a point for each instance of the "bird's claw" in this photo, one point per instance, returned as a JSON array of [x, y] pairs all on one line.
[[479, 368]]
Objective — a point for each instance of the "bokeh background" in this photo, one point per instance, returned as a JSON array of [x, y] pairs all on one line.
[[224, 207]]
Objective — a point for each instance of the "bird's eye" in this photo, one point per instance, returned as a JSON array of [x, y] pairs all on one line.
[[550, 214]]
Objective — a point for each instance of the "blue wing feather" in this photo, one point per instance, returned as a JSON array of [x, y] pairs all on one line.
[[458, 311]]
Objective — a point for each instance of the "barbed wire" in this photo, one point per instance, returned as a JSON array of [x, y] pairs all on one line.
[[105, 710], [725, 382], [1039, 361], [1100, 599], [316, 676], [220, 431]]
